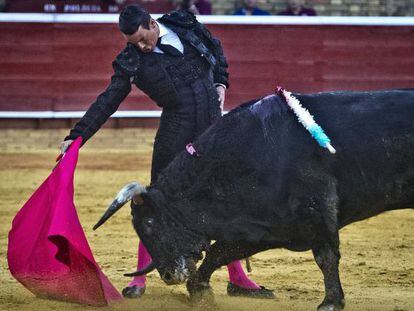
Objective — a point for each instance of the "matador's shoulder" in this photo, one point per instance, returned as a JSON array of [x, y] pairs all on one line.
[[181, 18], [129, 59]]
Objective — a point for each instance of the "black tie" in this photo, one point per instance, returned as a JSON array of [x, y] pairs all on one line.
[[169, 49]]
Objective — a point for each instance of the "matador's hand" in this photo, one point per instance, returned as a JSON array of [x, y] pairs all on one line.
[[221, 91], [64, 145]]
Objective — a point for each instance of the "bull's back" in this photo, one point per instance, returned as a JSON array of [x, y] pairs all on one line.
[[261, 148], [373, 133]]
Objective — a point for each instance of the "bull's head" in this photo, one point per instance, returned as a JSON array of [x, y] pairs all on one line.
[[173, 247]]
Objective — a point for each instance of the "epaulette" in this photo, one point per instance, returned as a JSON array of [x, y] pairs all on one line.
[[181, 18], [129, 60]]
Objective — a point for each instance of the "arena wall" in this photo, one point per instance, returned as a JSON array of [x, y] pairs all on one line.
[[322, 7], [329, 7], [53, 64]]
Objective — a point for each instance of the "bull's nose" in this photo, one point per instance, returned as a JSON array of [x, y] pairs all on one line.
[[173, 278], [169, 278]]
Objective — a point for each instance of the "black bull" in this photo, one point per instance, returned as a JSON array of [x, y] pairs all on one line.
[[259, 181]]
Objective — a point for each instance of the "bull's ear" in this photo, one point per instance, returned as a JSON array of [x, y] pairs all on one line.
[[138, 199]]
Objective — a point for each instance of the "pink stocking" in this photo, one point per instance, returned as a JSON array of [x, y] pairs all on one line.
[[238, 277], [144, 259]]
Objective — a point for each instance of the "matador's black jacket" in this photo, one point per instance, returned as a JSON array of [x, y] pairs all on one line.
[[183, 85]]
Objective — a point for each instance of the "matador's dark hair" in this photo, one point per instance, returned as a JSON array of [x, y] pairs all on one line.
[[131, 17]]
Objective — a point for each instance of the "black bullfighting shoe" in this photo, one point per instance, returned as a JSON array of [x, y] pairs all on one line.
[[133, 291], [237, 291]]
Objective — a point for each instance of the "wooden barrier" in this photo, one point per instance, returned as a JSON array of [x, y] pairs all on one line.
[[64, 66]]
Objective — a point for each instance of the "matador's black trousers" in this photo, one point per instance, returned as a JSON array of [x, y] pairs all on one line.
[[182, 124], [176, 130]]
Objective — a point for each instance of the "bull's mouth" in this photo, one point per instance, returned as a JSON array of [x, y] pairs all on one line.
[[183, 269], [176, 277]]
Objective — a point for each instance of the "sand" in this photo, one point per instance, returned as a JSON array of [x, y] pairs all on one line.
[[377, 265]]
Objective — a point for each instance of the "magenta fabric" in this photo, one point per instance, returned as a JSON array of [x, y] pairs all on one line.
[[144, 259], [238, 277], [48, 252]]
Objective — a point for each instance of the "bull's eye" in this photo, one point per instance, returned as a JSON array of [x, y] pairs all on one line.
[[148, 224]]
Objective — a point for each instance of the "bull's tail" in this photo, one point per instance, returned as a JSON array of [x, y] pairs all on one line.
[[127, 193]]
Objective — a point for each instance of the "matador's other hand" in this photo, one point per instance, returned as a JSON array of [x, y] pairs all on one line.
[[64, 145], [221, 91]]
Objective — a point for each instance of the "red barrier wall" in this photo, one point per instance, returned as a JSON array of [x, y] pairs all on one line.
[[49, 66], [85, 6]]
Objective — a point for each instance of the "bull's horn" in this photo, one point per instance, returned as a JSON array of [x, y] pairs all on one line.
[[126, 194], [146, 270]]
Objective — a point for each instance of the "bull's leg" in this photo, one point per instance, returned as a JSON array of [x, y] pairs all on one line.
[[198, 285], [327, 257], [220, 254], [323, 226]]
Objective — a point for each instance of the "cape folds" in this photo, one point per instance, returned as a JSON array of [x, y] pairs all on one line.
[[48, 252]]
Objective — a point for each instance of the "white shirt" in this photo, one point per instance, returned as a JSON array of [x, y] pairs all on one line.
[[169, 37]]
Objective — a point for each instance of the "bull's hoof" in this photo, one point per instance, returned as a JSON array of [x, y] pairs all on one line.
[[200, 292], [203, 298], [262, 292], [329, 306], [194, 285], [133, 291]]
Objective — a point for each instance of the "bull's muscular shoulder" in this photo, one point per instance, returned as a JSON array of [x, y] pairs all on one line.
[[129, 59], [180, 18]]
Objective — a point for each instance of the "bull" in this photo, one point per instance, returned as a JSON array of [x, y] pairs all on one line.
[[256, 180]]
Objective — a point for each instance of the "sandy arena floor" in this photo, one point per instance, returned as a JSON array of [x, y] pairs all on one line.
[[377, 265]]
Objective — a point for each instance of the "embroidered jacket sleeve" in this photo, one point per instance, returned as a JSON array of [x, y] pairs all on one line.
[[107, 102]]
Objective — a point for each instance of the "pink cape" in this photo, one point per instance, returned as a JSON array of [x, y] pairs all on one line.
[[48, 252]]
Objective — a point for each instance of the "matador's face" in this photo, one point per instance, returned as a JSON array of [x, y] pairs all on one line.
[[145, 39]]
